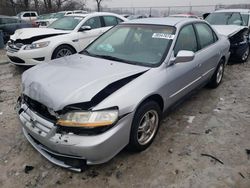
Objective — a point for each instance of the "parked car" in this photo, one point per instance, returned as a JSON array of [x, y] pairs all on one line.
[[28, 16], [45, 19], [184, 16], [87, 107], [63, 37], [235, 24], [48, 19], [137, 16], [10, 24]]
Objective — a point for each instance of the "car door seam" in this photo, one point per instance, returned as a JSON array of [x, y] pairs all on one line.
[[185, 87]]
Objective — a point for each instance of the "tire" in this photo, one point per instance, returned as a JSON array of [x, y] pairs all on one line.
[[218, 75], [245, 55], [63, 50], [142, 123]]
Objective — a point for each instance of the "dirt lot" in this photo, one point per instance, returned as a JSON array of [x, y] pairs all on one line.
[[215, 122]]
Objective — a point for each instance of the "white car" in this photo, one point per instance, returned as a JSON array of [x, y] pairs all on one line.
[[65, 36], [50, 18], [28, 15]]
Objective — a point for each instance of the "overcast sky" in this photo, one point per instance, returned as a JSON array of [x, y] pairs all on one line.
[[161, 3]]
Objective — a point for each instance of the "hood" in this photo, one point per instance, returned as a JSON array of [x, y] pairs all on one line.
[[73, 79], [30, 33], [228, 30]]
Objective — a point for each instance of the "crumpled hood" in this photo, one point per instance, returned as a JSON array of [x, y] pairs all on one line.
[[228, 30], [28, 33], [73, 79]]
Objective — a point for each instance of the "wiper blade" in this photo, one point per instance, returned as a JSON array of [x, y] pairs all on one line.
[[108, 57], [111, 58], [85, 52]]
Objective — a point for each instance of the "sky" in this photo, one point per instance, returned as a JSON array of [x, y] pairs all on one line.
[[161, 3]]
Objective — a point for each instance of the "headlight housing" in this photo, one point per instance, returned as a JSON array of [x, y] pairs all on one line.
[[89, 119], [36, 45]]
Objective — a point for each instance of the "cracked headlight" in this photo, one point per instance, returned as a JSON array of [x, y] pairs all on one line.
[[36, 45], [89, 119]]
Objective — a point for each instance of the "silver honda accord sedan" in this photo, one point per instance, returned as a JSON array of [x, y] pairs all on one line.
[[85, 108]]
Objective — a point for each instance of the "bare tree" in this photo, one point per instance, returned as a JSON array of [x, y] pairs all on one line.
[[48, 5], [26, 4], [98, 3]]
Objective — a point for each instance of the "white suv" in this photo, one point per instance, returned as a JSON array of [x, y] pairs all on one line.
[[65, 36], [28, 16]]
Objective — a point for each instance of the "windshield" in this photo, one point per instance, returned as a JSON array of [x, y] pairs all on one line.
[[145, 45], [226, 18], [66, 23]]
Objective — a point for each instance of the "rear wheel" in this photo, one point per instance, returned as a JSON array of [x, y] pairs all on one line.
[[63, 50], [245, 55], [145, 126], [218, 75]]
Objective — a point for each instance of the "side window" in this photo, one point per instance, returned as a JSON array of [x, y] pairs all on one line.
[[26, 15], [119, 20], [110, 20], [186, 40], [94, 22], [33, 14], [205, 35]]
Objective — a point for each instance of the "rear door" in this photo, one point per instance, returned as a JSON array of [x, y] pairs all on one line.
[[209, 53]]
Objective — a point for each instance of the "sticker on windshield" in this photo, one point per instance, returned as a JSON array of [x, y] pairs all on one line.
[[163, 36]]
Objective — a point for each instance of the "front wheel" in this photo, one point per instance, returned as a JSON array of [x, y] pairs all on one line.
[[144, 126], [218, 75], [63, 50], [245, 55]]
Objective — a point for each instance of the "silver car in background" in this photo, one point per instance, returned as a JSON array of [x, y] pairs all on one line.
[[85, 108]]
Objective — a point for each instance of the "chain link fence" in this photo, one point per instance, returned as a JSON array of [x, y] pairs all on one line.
[[165, 11]]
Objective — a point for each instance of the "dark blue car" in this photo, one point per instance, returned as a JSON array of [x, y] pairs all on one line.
[[10, 24]]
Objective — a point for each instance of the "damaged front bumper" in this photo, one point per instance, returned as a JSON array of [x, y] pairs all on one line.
[[27, 57], [70, 150]]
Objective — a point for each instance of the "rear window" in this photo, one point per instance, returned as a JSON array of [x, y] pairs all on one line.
[[110, 20]]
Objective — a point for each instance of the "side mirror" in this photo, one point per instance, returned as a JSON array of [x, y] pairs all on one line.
[[183, 56], [85, 28]]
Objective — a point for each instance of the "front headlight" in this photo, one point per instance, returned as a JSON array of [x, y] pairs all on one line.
[[89, 119], [36, 45]]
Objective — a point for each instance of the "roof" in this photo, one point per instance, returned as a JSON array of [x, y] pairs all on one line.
[[93, 13], [182, 15], [170, 21], [234, 10]]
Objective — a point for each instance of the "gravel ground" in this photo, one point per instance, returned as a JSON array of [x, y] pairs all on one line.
[[215, 122]]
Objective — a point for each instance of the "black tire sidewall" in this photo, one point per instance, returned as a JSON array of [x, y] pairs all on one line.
[[62, 47], [213, 82], [134, 145]]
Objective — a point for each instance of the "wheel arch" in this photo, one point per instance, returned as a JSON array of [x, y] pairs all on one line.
[[154, 97], [63, 44]]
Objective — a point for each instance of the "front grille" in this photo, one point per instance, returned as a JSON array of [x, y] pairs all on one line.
[[16, 59], [41, 109]]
